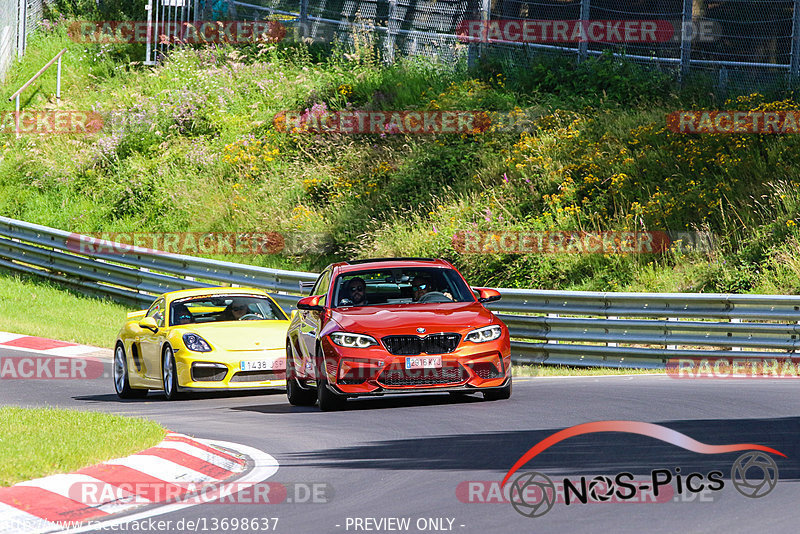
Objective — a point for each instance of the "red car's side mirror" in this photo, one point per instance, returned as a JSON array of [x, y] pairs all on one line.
[[311, 303], [487, 295]]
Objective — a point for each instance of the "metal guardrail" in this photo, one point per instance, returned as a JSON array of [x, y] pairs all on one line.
[[134, 276], [561, 327]]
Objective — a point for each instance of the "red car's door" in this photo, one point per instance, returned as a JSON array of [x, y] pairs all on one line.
[[310, 326]]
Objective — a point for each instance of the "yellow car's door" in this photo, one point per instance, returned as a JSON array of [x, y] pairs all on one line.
[[150, 341]]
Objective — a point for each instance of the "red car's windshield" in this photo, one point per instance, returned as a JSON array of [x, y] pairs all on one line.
[[400, 286]]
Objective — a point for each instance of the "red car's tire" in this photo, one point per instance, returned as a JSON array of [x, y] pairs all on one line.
[[502, 393], [297, 395], [328, 400]]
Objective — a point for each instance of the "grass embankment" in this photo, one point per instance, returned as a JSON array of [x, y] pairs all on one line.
[[43, 309], [36, 442], [193, 147]]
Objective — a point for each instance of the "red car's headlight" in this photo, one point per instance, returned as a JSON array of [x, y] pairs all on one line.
[[353, 341], [482, 335]]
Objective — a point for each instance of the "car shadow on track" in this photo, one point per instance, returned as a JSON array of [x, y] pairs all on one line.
[[371, 403], [591, 454], [159, 396]]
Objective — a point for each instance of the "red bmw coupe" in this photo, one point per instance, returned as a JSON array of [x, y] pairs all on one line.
[[397, 325]]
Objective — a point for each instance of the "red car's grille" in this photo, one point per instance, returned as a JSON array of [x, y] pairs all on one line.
[[413, 345], [397, 376]]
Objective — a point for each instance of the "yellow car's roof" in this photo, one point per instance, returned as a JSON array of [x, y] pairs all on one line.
[[173, 295]]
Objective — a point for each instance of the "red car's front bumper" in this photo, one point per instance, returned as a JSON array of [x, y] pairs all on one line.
[[374, 371]]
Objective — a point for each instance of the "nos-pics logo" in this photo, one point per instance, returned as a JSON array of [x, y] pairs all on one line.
[[532, 494]]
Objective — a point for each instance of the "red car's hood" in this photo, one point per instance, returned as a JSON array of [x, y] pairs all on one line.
[[406, 318]]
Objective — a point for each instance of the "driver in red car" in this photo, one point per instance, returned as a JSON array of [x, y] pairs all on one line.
[[357, 288], [421, 286]]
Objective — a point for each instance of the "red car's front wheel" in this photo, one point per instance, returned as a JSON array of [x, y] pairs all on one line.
[[328, 400]]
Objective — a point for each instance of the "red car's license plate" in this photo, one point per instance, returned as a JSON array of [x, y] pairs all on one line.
[[423, 362]]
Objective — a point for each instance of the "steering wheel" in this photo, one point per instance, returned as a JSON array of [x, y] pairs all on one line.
[[250, 317], [434, 296]]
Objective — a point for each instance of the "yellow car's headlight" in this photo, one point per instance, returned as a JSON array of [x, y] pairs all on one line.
[[196, 343]]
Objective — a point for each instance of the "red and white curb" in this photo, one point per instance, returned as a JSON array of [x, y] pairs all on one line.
[[49, 347], [176, 468]]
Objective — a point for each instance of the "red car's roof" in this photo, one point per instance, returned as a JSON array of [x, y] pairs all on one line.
[[391, 263]]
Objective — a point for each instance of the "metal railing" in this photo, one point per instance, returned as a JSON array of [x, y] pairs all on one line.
[[562, 327], [33, 79]]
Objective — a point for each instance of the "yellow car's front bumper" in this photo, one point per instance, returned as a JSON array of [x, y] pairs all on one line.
[[225, 370]]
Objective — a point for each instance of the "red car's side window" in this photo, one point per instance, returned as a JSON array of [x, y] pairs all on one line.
[[322, 285]]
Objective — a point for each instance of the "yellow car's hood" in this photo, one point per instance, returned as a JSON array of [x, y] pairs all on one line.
[[242, 335]]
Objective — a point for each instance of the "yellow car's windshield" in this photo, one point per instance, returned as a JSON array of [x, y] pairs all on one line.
[[221, 308]]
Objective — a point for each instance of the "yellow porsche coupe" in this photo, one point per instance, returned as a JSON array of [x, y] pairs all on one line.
[[200, 340]]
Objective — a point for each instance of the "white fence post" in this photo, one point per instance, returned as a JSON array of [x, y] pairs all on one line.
[[686, 40], [22, 22], [583, 46], [391, 32], [794, 68]]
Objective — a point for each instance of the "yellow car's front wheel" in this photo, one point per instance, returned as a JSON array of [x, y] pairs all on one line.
[[169, 374]]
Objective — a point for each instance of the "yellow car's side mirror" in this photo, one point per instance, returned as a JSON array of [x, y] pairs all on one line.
[[149, 323]]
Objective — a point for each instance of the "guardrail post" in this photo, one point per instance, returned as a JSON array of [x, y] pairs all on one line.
[[686, 40], [736, 349], [612, 343], [671, 347], [583, 46], [554, 316]]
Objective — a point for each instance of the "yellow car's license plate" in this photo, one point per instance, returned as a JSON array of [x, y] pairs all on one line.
[[257, 365]]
